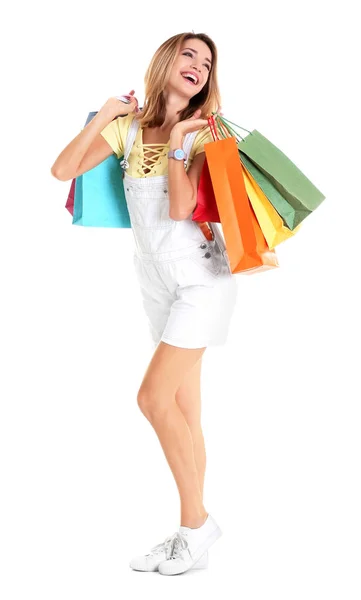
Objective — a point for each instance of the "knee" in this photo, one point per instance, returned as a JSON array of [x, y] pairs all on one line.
[[150, 403], [143, 400]]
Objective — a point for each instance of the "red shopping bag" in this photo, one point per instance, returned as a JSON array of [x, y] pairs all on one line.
[[206, 208], [70, 200]]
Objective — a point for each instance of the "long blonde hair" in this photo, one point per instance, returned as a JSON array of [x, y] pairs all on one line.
[[157, 75]]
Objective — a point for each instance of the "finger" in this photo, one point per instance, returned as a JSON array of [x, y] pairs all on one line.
[[136, 104], [131, 92], [201, 122], [133, 101]]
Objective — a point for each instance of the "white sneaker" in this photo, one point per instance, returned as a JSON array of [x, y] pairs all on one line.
[[188, 545], [160, 553]]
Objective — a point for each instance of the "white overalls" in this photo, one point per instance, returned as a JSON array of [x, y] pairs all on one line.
[[186, 284]]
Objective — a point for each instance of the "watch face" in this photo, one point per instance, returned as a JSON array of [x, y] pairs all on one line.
[[179, 154]]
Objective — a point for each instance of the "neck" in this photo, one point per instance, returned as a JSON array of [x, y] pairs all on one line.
[[174, 104]]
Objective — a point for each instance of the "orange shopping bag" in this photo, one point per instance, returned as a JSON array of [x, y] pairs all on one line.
[[246, 245]]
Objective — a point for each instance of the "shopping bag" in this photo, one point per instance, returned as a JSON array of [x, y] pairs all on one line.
[[268, 218], [286, 211], [97, 198], [69, 205], [246, 245], [291, 193], [206, 207]]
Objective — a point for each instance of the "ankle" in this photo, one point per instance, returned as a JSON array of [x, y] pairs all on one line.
[[195, 521]]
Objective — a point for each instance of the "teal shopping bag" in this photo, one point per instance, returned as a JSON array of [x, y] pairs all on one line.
[[99, 198]]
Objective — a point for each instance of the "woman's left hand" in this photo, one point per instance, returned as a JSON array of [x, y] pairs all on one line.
[[181, 128]]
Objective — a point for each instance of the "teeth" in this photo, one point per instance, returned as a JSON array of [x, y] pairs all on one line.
[[190, 75]]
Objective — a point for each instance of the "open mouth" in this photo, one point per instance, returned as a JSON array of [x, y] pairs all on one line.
[[191, 77]]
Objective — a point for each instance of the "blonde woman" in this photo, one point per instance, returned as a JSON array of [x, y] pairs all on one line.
[[187, 288]]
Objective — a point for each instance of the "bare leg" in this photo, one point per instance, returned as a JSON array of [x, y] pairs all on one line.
[[156, 399], [188, 398]]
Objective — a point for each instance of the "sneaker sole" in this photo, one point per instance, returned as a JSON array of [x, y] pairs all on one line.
[[137, 567]]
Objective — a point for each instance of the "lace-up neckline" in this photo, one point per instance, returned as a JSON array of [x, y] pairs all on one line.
[[152, 153]]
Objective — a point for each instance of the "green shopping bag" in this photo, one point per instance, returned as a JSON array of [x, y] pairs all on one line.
[[289, 191], [286, 210]]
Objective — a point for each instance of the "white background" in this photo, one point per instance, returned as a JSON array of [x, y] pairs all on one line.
[[85, 484]]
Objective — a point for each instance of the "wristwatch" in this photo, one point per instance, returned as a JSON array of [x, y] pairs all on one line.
[[178, 154]]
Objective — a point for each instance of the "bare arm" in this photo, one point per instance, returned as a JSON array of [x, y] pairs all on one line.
[[183, 186], [88, 149]]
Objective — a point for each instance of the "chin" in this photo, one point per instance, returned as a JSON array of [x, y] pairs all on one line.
[[183, 90], [191, 92]]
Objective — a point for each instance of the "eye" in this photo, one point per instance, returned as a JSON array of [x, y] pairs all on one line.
[[191, 55]]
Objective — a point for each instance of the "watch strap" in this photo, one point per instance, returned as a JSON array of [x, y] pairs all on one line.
[[171, 154]]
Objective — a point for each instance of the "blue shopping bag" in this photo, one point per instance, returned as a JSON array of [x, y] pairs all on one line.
[[99, 199]]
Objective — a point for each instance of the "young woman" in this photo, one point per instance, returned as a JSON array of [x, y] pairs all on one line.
[[187, 287]]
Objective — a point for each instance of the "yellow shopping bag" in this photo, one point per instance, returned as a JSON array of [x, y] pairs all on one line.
[[268, 218]]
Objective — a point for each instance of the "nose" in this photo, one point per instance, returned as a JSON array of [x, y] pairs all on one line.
[[196, 63]]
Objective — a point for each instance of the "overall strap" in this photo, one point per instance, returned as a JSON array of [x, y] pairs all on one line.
[[132, 133]]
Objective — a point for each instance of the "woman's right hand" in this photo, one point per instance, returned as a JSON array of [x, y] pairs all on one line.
[[118, 108]]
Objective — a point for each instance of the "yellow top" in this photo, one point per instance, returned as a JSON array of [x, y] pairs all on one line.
[[147, 160]]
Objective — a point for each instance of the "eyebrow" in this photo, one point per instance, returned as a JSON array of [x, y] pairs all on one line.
[[193, 50]]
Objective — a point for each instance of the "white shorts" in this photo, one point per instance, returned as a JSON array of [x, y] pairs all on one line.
[[189, 300]]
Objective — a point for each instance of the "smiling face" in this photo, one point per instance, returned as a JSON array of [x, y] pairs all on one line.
[[191, 68]]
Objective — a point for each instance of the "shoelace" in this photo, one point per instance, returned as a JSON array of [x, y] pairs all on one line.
[[179, 544], [162, 547], [172, 546]]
